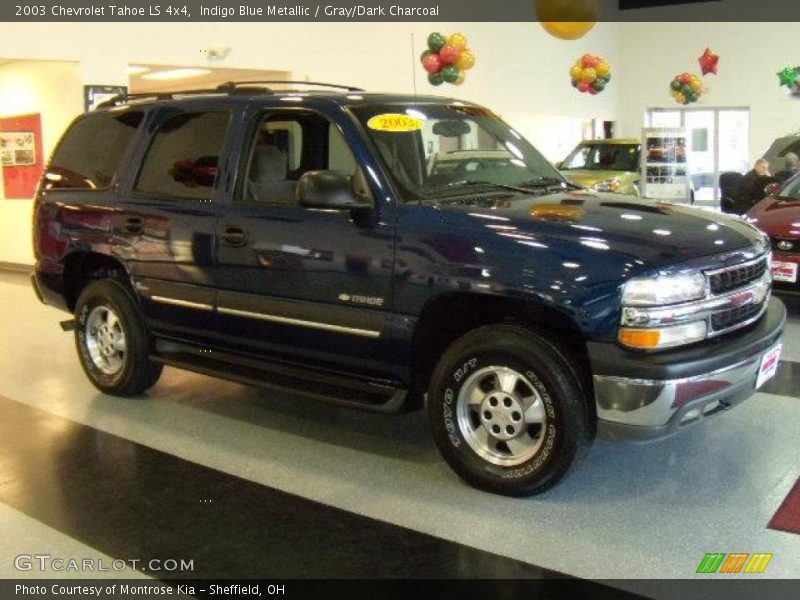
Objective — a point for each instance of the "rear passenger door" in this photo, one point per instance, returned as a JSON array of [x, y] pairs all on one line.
[[166, 226], [298, 284]]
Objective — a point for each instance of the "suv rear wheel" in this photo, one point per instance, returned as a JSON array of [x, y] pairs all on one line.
[[508, 411], [112, 340]]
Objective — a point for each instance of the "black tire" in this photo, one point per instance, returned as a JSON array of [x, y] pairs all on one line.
[[137, 372], [563, 437]]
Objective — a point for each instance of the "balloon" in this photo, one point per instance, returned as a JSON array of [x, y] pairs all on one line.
[[435, 41], [435, 79], [425, 55], [576, 71], [680, 97], [686, 88], [675, 85], [583, 86], [590, 61], [696, 85], [460, 79], [709, 62], [599, 85], [459, 40], [449, 54], [450, 73], [465, 60], [567, 19], [589, 75], [432, 63], [787, 76], [603, 68]]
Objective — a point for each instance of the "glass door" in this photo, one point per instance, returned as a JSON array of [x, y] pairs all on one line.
[[718, 142]]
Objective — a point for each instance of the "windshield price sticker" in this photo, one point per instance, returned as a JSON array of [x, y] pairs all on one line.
[[395, 122]]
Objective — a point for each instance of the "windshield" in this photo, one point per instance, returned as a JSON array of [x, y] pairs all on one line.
[[791, 191], [436, 150], [603, 157]]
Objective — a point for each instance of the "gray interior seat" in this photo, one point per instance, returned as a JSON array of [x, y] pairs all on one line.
[[267, 180]]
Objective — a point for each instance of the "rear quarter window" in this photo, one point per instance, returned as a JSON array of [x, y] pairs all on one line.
[[90, 151]]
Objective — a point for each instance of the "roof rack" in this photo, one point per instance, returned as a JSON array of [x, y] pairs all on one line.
[[234, 85], [230, 88]]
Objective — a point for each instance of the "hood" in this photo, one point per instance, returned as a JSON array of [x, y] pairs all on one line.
[[659, 233], [779, 218]]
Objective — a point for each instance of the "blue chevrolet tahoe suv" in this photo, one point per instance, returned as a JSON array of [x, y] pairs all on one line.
[[391, 252]]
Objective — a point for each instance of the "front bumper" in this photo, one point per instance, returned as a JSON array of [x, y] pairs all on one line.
[[647, 396]]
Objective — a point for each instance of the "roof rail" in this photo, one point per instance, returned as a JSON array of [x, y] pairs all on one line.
[[231, 86]]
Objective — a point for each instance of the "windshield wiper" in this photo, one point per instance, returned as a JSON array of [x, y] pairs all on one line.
[[547, 182], [492, 184]]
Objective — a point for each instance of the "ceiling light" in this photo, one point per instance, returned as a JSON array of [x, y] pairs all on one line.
[[137, 70], [176, 74]]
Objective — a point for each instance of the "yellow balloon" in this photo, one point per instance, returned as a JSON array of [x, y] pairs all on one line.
[[568, 30], [576, 71], [589, 75], [680, 97], [459, 40], [460, 79], [465, 60], [603, 69], [567, 19], [696, 85]]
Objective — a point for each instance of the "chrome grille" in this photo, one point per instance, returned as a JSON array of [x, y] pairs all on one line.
[[735, 277]]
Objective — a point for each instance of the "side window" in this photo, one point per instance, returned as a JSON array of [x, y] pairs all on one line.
[[288, 145], [183, 158], [90, 151]]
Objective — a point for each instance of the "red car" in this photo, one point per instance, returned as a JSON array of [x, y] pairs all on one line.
[[779, 216]]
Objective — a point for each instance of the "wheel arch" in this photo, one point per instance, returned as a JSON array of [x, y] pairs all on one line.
[[82, 267]]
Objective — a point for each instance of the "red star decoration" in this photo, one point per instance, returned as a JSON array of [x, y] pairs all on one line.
[[709, 62]]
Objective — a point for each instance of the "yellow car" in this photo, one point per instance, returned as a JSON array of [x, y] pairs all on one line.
[[605, 165]]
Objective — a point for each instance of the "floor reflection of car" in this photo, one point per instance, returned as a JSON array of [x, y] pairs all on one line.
[[464, 162], [779, 216], [605, 165]]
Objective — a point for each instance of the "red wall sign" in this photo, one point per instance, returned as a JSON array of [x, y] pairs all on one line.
[[21, 154]]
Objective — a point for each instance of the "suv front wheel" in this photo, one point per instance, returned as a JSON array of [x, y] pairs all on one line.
[[112, 340], [508, 411]]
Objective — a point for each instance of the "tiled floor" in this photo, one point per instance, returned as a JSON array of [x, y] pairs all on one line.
[[630, 511]]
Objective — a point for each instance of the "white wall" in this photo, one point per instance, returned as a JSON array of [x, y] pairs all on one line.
[[522, 72], [34, 87], [751, 55]]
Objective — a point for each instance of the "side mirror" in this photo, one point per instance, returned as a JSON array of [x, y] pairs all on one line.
[[772, 189], [328, 189]]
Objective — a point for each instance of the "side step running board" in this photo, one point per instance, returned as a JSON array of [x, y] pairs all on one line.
[[351, 393]]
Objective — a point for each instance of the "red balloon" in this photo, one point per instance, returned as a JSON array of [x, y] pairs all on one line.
[[709, 62], [432, 63], [685, 78], [584, 87], [449, 54], [590, 61]]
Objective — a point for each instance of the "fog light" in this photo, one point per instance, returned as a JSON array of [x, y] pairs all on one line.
[[691, 415]]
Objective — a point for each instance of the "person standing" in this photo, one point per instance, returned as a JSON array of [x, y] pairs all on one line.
[[791, 165]]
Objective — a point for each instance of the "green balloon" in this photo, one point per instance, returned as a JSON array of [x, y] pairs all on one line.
[[599, 85], [435, 78], [675, 85], [450, 73], [606, 78], [687, 89], [435, 41]]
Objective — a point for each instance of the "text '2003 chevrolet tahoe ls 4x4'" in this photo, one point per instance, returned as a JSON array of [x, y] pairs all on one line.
[[304, 240]]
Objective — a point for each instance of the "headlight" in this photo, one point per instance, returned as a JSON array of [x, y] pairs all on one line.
[[608, 185], [663, 337], [664, 290]]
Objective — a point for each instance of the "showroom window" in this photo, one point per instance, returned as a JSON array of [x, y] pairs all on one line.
[[90, 151], [183, 159], [287, 146]]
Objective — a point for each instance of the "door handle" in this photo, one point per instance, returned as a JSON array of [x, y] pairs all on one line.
[[133, 225], [234, 236]]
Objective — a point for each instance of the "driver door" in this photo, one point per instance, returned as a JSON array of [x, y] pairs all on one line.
[[307, 286]]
